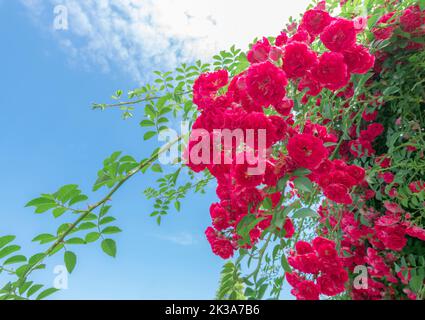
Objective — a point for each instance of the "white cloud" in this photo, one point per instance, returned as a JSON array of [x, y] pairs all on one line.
[[182, 239], [138, 35]]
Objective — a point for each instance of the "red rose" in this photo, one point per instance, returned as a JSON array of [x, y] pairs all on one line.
[[281, 39], [306, 150], [314, 21], [266, 83], [358, 59], [289, 228], [285, 106], [259, 51], [314, 87], [338, 192], [339, 35], [331, 72], [380, 32], [220, 245], [417, 186], [328, 286], [416, 232], [297, 59], [306, 290], [206, 87], [219, 217], [412, 19], [242, 177]]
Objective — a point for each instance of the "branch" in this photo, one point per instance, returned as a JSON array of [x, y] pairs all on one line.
[[129, 103], [91, 208]]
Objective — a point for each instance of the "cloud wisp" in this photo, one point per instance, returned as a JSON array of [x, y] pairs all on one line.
[[181, 239], [137, 36]]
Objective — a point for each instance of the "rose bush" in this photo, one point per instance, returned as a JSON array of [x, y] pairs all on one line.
[[327, 178]]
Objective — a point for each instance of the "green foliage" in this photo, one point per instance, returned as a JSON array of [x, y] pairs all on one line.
[[231, 286]]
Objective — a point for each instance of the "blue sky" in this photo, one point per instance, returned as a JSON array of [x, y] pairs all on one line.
[[49, 137]]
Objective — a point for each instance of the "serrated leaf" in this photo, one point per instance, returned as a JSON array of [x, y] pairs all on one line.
[[92, 237], [111, 230], [304, 213], [39, 201], [70, 260], [36, 259], [5, 240], [87, 226], [156, 168], [75, 241], [303, 184], [147, 123], [267, 203], [177, 205], [15, 259], [300, 172], [8, 250], [285, 265], [59, 211], [77, 199], [44, 238], [46, 293], [34, 289], [107, 220], [148, 135], [109, 247]]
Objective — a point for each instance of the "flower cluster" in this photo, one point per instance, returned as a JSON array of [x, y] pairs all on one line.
[[256, 100], [322, 268]]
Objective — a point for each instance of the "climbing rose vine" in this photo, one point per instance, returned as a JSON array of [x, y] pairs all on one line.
[[320, 58], [314, 142]]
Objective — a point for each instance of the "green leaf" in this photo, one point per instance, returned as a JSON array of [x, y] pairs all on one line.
[[87, 226], [39, 201], [177, 205], [109, 247], [300, 172], [36, 258], [46, 293], [416, 282], [303, 184], [9, 250], [34, 289], [59, 211], [391, 90], [77, 199], [104, 210], [107, 220], [70, 260], [63, 193], [267, 203], [148, 135], [15, 259], [156, 168], [111, 230], [75, 241], [304, 213], [44, 238], [45, 207], [92, 237], [285, 264], [5, 240], [147, 123], [24, 287]]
